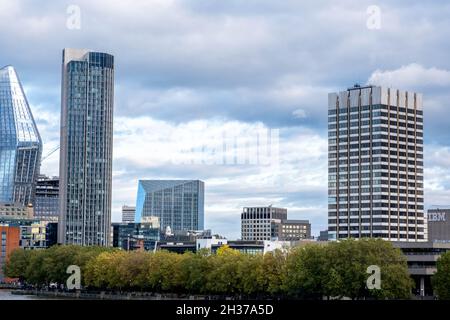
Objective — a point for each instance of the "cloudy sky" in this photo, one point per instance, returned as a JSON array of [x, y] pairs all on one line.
[[195, 75]]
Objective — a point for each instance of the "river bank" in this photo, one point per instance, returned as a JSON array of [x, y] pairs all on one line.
[[6, 294], [103, 295]]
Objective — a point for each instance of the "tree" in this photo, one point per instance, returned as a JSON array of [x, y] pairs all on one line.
[[250, 271], [223, 275], [133, 270], [441, 279], [306, 273], [103, 271], [17, 264], [163, 272], [194, 269], [274, 266], [347, 263]]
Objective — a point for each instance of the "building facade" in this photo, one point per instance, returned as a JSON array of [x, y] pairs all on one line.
[[294, 230], [87, 104], [46, 205], [9, 241], [20, 143], [421, 258], [179, 204], [34, 234], [128, 214], [439, 225], [261, 223], [323, 235], [135, 236], [375, 164], [16, 211]]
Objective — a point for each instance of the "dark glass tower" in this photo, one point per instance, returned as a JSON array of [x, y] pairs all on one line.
[[86, 147], [20, 143]]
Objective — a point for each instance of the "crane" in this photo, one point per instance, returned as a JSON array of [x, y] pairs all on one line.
[[50, 153]]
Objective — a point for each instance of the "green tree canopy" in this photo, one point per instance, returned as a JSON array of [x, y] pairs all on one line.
[[441, 279]]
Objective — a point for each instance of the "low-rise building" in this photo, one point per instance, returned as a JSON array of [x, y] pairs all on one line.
[[9, 241], [270, 224], [255, 247], [34, 233], [135, 235], [213, 244], [261, 223], [16, 211], [422, 258], [294, 230]]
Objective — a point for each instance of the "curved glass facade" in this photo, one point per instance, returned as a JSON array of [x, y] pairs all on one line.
[[20, 143]]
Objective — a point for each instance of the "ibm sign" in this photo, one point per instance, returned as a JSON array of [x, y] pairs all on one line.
[[437, 216]]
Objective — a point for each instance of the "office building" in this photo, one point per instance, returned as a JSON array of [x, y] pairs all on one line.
[[179, 204], [128, 214], [439, 225], [9, 241], [34, 234], [213, 244], [261, 223], [421, 258], [46, 205], [375, 153], [20, 143], [135, 236], [16, 211], [186, 235], [323, 235], [86, 147], [270, 223], [293, 230]]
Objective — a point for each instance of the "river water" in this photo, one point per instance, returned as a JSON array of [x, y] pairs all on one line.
[[5, 294]]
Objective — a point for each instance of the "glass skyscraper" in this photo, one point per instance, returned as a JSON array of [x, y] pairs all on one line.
[[20, 143], [86, 147], [179, 204], [375, 168]]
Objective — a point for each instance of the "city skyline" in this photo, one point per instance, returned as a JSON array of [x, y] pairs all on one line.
[[236, 83]]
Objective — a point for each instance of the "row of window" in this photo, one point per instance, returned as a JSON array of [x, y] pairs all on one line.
[[377, 228], [375, 114], [374, 122], [377, 212], [376, 205], [374, 107], [375, 220]]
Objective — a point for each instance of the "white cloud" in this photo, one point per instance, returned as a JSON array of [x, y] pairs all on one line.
[[411, 76], [299, 113], [144, 145]]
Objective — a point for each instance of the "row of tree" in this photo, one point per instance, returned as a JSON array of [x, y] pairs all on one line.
[[313, 271]]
